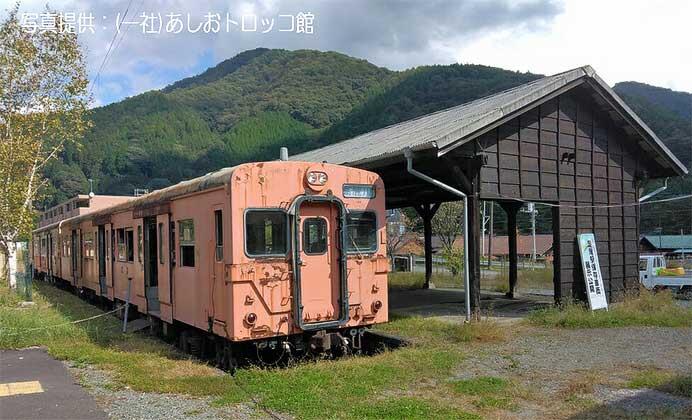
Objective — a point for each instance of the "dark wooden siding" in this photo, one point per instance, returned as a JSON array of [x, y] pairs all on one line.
[[570, 152]]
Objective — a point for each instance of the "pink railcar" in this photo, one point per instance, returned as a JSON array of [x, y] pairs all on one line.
[[287, 253]]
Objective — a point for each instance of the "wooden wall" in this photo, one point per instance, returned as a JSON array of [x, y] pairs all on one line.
[[569, 151]]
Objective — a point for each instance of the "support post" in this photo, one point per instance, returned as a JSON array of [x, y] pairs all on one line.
[[127, 303], [427, 212], [469, 180], [511, 209], [474, 250]]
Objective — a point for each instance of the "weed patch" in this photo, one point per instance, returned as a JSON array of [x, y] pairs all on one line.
[[646, 309], [663, 381]]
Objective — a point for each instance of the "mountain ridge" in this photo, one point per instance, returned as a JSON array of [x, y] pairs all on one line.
[[246, 107]]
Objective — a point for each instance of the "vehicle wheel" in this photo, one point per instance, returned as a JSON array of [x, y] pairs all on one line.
[[686, 292]]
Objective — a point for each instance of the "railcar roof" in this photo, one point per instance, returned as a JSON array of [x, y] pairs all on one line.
[[205, 182]]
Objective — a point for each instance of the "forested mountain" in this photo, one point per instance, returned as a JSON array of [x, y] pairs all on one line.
[[669, 114], [248, 106]]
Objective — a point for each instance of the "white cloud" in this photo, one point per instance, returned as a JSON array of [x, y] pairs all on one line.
[[637, 40]]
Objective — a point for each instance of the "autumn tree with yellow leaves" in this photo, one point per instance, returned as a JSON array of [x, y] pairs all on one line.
[[43, 106]]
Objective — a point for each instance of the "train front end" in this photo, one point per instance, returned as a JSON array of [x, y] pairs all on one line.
[[312, 271]]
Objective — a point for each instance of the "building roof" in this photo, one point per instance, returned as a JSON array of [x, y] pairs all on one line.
[[449, 128], [669, 241]]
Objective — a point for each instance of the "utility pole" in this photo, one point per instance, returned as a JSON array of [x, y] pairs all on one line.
[[533, 233], [683, 244], [483, 232], [490, 236], [531, 208]]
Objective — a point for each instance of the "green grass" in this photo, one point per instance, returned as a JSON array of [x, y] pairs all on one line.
[[539, 278], [646, 309], [488, 391], [410, 408], [379, 386], [409, 280], [663, 381]]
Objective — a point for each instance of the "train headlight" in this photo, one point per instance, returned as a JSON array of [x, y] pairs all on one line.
[[251, 318], [359, 191], [317, 178], [376, 306]]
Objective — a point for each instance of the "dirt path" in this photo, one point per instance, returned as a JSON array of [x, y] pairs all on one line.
[[584, 373]]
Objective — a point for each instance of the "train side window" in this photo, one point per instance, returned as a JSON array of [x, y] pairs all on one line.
[[186, 239], [130, 245], [121, 245], [315, 236], [361, 232], [266, 233], [161, 256], [218, 228], [140, 250], [89, 245]]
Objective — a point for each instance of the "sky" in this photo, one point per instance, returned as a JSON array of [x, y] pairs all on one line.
[[641, 40]]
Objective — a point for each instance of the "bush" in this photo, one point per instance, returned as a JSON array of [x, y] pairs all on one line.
[[454, 260]]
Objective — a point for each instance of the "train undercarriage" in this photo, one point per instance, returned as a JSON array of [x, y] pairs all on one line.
[[229, 355]]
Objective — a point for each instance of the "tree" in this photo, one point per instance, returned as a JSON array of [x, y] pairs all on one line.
[[43, 104], [447, 223], [398, 226]]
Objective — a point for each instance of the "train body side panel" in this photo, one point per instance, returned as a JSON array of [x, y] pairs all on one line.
[[126, 265], [90, 276], [193, 283]]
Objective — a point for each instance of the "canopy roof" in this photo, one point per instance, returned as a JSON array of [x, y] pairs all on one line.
[[447, 129]]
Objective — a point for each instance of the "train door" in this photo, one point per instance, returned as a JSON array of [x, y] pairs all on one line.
[[75, 256], [166, 261], [151, 264], [49, 250], [320, 263], [101, 244], [219, 291]]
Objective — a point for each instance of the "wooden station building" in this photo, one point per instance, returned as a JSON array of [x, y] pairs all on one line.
[[565, 140]]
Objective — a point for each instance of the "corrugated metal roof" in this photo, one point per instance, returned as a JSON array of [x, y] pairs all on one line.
[[454, 126], [670, 241]]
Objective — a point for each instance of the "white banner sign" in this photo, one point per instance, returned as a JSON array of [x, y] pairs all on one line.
[[592, 271]]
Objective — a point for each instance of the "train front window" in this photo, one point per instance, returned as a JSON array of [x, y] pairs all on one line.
[[315, 236], [361, 232], [266, 233]]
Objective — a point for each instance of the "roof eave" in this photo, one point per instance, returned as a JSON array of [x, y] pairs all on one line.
[[635, 122]]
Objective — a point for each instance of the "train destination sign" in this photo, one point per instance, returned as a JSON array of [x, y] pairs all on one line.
[[592, 271]]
